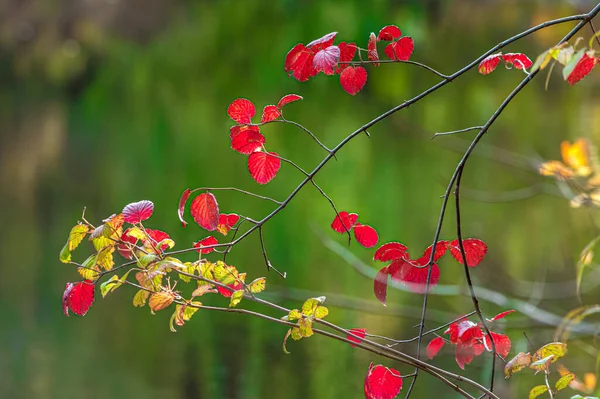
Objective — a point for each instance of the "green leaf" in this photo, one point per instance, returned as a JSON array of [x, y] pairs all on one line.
[[146, 260], [236, 298], [225, 274], [257, 285], [321, 312], [140, 298], [309, 307], [537, 391], [65, 254], [564, 381], [572, 63], [107, 286]]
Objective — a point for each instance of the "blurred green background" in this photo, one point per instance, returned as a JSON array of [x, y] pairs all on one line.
[[106, 102]]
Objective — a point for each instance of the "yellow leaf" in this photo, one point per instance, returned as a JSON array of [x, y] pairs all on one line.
[[564, 381], [160, 300], [296, 334], [105, 258], [90, 270], [257, 285], [556, 169], [107, 286], [577, 156], [309, 307], [305, 327], [294, 315], [225, 274], [321, 312], [65, 254], [236, 298], [77, 235], [202, 289], [556, 349], [140, 298], [537, 391], [136, 232], [519, 362]]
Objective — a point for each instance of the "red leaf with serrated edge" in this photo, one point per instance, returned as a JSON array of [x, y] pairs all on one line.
[[270, 113], [583, 67], [382, 382], [322, 42], [232, 219], [137, 212], [246, 139], [372, 49], [380, 285], [263, 166], [519, 60], [205, 242], [344, 222], [347, 53], [182, 202], [123, 248], [390, 51], [361, 332], [501, 341], [326, 60], [353, 79], [226, 222], [489, 63], [415, 278], [434, 347], [241, 111], [298, 63], [157, 236], [440, 249], [469, 333], [227, 292], [366, 235], [205, 211], [290, 98], [502, 315], [389, 33], [403, 48], [391, 251], [464, 354], [475, 250], [78, 297]]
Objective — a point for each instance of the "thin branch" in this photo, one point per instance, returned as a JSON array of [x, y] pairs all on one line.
[[264, 252], [430, 69], [238, 190], [311, 134], [548, 384], [468, 129], [594, 31]]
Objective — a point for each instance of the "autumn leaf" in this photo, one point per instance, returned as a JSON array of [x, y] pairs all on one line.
[[517, 363], [246, 139], [160, 300], [182, 202], [344, 221], [289, 98], [270, 113], [366, 235], [353, 79], [263, 166], [78, 297], [391, 251], [326, 60], [489, 63], [360, 332], [372, 49], [205, 211], [389, 33], [241, 111], [434, 347], [475, 251], [205, 242], [137, 212], [382, 382]]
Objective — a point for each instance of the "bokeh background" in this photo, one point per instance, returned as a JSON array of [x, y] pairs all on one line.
[[106, 102]]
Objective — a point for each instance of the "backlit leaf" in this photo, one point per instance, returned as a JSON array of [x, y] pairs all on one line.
[[440, 250], [572, 319], [107, 286], [415, 278], [557, 349], [246, 139], [263, 166], [289, 98], [77, 235], [489, 63], [366, 235], [205, 242], [309, 307], [518, 60], [556, 169], [241, 111], [89, 270], [65, 254], [326, 60], [182, 202], [475, 251], [519, 362], [270, 113], [78, 297], [564, 381], [382, 382], [389, 33], [543, 364], [305, 327], [353, 79], [299, 63], [347, 53], [322, 42], [140, 298], [137, 212], [434, 347], [160, 300], [380, 285], [294, 315], [257, 285], [404, 48], [360, 332], [579, 67], [236, 298], [502, 315], [537, 391], [372, 49], [205, 211], [321, 312], [391, 251], [344, 221], [501, 341]]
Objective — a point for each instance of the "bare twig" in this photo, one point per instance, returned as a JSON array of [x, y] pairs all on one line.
[[468, 129]]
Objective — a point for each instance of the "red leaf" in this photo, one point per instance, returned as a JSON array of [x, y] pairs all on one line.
[[440, 249], [123, 248], [434, 347], [263, 166], [469, 333], [391, 251], [270, 113], [78, 297], [389, 50], [365, 235], [290, 98], [205, 211], [501, 341], [415, 278], [205, 242], [246, 139], [347, 53], [380, 285], [182, 202], [137, 212], [489, 63], [464, 355], [353, 79], [344, 222], [157, 236], [502, 315], [361, 332], [475, 250], [372, 49], [389, 33], [299, 63], [400, 50], [241, 110], [227, 292], [583, 67], [519, 60], [226, 222], [382, 382], [326, 60], [322, 42], [232, 219]]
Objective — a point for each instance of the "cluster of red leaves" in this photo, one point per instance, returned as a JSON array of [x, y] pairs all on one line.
[[321, 55], [382, 382], [365, 235], [247, 139], [205, 211], [471, 340], [518, 60], [78, 297], [413, 272]]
